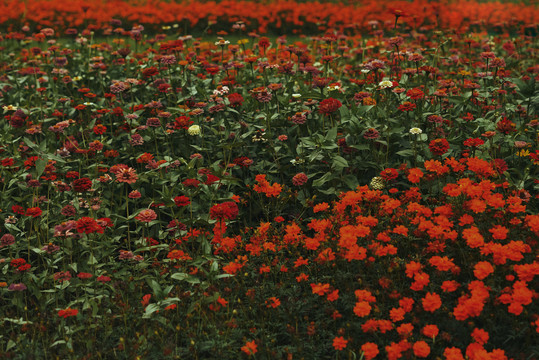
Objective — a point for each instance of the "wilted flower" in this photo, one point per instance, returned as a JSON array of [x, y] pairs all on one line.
[[17, 287], [377, 183], [299, 179]]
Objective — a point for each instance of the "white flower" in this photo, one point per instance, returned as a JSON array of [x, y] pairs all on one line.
[[385, 84], [222, 42], [365, 71], [193, 130], [415, 131], [9, 107], [296, 96]]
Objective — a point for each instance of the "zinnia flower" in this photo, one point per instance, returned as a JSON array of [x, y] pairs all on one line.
[[88, 225], [146, 215], [68, 313], [329, 106], [439, 146], [225, 211], [127, 175], [193, 130], [300, 179]]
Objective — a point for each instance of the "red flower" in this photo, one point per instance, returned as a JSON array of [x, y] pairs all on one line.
[[88, 225], [439, 146], [34, 212], [473, 142], [225, 211], [300, 179], [235, 99], [17, 209], [407, 106], [191, 183], [329, 106], [84, 275], [339, 343], [82, 184], [149, 72], [146, 300], [250, 348], [68, 313], [506, 126], [181, 201], [389, 174]]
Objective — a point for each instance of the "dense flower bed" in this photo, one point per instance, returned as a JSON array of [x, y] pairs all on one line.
[[279, 16], [350, 196]]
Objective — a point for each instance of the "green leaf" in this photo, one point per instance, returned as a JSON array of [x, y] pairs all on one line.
[[405, 153], [92, 260], [339, 163], [186, 277], [321, 181], [10, 345], [150, 309], [40, 167]]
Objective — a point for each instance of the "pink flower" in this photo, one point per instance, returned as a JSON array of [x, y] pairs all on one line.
[[146, 215]]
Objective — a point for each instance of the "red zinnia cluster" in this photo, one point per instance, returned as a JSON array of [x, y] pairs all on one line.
[[235, 99], [329, 106], [407, 106], [389, 174], [473, 142], [439, 146], [225, 211], [33, 212], [88, 225], [82, 184], [181, 201]]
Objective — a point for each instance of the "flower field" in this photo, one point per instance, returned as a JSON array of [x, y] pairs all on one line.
[[202, 180]]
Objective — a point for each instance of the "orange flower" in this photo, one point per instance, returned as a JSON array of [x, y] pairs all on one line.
[[250, 348], [483, 269], [431, 302], [369, 350], [362, 308], [421, 349], [339, 343], [480, 336], [415, 175], [442, 263], [273, 302], [473, 238], [476, 205], [320, 289], [453, 354], [499, 232], [334, 295], [320, 207], [397, 314], [430, 331], [401, 230]]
